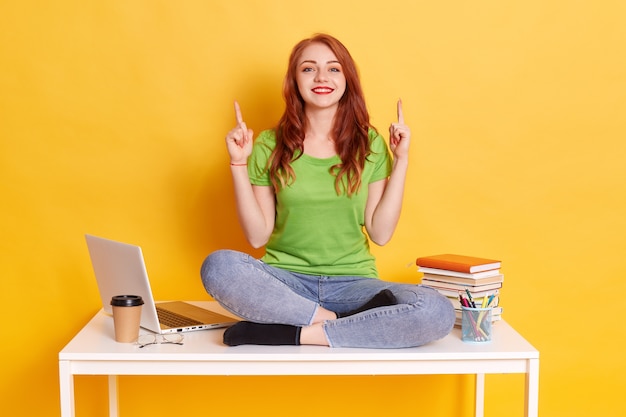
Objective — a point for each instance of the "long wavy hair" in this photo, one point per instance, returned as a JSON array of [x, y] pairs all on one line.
[[350, 126]]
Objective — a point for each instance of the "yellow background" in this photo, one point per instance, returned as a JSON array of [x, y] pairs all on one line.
[[112, 119]]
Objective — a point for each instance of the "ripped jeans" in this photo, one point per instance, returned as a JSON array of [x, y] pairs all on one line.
[[261, 293]]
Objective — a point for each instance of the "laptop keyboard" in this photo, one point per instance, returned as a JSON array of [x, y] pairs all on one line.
[[171, 319]]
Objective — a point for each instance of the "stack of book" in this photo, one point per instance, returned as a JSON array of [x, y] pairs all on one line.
[[451, 275]]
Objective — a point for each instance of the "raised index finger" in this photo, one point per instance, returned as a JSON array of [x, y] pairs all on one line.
[[238, 113], [400, 114]]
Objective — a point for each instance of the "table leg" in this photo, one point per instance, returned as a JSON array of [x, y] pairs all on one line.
[[113, 397], [479, 409], [532, 389], [66, 387]]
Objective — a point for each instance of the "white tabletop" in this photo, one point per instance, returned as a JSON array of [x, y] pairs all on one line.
[[95, 342]]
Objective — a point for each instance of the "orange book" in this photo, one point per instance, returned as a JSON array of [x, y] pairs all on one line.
[[458, 263]]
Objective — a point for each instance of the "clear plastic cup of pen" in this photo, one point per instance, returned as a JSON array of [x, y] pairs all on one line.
[[476, 324]]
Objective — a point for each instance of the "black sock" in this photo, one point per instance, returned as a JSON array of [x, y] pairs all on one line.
[[383, 298], [248, 333]]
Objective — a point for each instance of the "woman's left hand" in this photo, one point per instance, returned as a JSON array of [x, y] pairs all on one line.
[[399, 136]]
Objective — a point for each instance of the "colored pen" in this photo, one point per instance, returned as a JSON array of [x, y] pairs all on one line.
[[464, 301], [469, 297], [482, 313]]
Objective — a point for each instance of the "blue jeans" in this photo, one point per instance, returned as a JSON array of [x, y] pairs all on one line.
[[261, 293]]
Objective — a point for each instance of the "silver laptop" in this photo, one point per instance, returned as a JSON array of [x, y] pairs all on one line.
[[120, 270]]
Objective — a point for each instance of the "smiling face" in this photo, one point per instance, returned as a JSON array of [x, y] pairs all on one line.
[[320, 77]]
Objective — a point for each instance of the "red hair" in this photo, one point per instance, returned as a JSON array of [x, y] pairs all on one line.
[[350, 127]]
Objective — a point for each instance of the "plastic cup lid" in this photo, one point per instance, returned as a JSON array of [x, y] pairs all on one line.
[[126, 300]]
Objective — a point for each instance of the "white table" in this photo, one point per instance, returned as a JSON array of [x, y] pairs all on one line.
[[93, 351]]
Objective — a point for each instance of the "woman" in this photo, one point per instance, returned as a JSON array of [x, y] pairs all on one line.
[[311, 191]]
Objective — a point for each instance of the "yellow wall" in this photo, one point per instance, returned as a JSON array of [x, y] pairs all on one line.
[[112, 118]]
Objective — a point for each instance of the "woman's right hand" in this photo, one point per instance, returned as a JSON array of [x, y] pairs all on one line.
[[239, 140], [256, 207]]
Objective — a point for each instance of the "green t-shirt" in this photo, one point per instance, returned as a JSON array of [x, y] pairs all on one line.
[[316, 231]]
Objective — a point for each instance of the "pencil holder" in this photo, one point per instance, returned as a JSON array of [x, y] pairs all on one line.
[[475, 324]]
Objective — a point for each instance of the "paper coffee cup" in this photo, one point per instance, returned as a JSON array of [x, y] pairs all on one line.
[[126, 317]]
